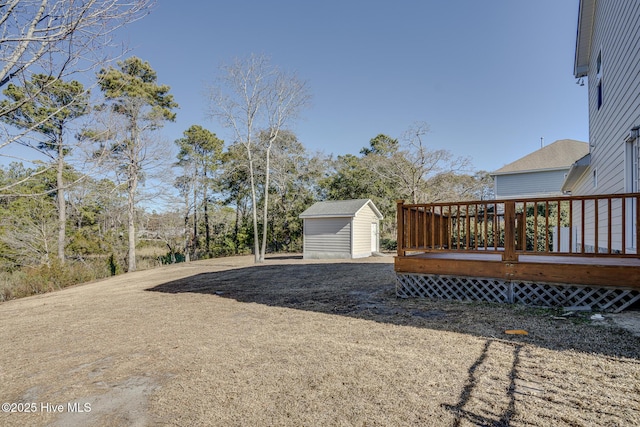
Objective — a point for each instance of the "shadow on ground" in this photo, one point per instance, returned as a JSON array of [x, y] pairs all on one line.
[[367, 291]]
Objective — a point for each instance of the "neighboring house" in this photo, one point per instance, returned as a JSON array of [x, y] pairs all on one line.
[[539, 174], [341, 229], [608, 55]]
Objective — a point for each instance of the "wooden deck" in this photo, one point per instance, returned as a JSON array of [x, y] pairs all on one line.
[[587, 271], [588, 245]]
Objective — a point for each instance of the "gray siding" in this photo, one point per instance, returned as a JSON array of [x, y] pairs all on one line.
[[327, 238], [616, 36], [541, 183]]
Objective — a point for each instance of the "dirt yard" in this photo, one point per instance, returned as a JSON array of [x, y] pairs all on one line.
[[296, 343]]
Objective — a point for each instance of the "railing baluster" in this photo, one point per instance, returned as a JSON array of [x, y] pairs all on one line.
[[458, 227], [609, 242], [559, 226], [450, 229], [582, 225], [625, 204], [485, 231], [596, 226]]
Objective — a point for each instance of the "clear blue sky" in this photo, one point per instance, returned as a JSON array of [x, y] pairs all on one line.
[[489, 77]]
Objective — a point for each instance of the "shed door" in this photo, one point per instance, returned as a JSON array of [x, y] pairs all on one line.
[[374, 237]]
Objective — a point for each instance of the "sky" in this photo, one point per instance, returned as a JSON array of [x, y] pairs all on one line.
[[490, 78]]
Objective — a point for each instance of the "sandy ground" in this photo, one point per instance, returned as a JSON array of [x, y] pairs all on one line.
[[226, 343]]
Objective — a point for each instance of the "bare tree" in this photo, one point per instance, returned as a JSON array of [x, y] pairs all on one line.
[[60, 37], [56, 38], [254, 99], [31, 237], [410, 164]]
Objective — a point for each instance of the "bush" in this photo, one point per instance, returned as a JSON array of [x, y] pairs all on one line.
[[388, 244], [38, 280], [169, 259]]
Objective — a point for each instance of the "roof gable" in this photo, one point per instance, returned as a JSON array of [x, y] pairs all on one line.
[[561, 154], [339, 208]]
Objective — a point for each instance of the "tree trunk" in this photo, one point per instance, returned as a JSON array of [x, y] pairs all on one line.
[[187, 257], [237, 226], [195, 213], [131, 210], [254, 211], [207, 227], [265, 208], [62, 213]]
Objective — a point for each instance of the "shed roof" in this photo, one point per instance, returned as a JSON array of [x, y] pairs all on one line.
[[559, 155], [339, 208]]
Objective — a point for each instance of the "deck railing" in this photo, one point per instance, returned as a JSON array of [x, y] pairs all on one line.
[[599, 226]]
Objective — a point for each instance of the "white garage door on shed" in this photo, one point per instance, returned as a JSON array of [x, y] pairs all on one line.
[[341, 229]]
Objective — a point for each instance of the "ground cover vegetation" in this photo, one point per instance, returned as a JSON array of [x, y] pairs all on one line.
[[293, 342], [90, 187]]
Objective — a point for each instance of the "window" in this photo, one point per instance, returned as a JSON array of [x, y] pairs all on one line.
[[599, 88], [599, 91]]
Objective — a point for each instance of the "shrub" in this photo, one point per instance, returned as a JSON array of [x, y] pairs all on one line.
[[38, 280], [388, 245]]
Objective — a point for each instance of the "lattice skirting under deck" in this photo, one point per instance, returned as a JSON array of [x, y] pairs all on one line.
[[528, 293]]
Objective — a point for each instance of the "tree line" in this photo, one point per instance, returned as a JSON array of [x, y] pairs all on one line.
[[90, 187]]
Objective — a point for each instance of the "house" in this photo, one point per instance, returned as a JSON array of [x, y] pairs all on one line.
[[607, 55], [540, 173], [341, 229], [506, 250]]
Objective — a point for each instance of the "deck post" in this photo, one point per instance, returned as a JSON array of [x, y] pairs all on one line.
[[637, 220], [510, 232], [400, 227]]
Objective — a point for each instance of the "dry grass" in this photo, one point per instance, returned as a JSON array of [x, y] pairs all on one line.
[[222, 342]]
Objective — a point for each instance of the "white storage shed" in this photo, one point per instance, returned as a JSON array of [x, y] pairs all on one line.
[[341, 229]]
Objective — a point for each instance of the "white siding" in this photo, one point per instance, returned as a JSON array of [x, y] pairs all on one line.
[[327, 238], [362, 232], [542, 183]]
